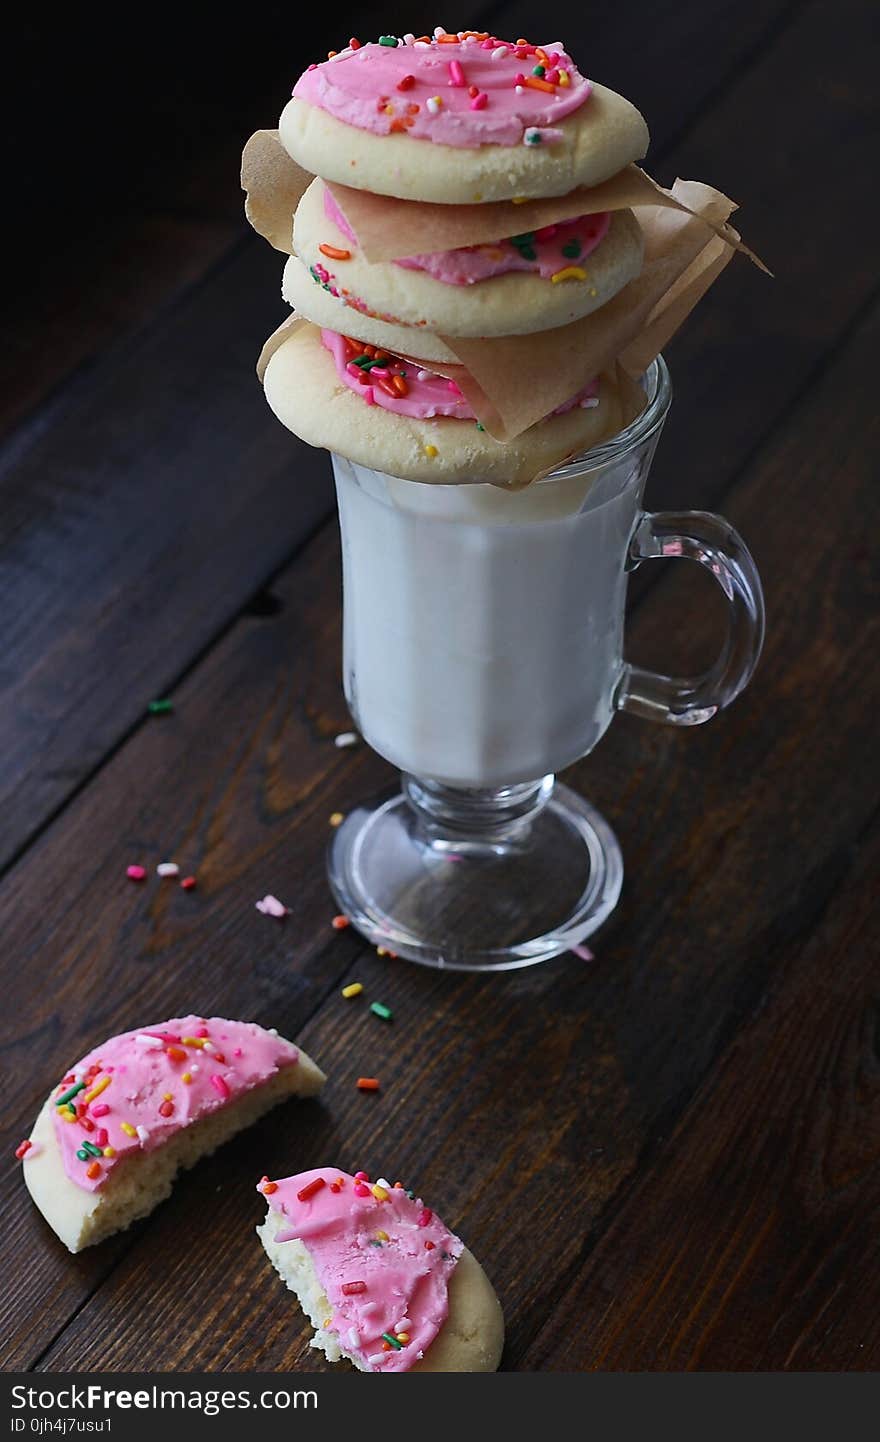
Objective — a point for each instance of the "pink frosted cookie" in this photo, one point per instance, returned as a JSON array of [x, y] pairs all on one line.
[[459, 119], [384, 1283], [113, 1134]]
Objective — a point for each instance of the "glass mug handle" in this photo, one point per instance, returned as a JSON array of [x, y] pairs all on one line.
[[714, 544]]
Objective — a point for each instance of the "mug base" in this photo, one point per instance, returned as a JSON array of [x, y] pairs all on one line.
[[472, 903]]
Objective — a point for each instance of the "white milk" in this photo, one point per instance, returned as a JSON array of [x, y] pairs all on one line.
[[483, 629]]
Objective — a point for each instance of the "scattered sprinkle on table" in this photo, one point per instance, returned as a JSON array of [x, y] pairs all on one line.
[[339, 923], [583, 952], [368, 1083], [337, 818], [378, 1009], [271, 906], [136, 873], [161, 708], [346, 738], [354, 988], [168, 868], [189, 883]]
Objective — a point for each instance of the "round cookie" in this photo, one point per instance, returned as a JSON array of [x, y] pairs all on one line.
[[332, 312], [594, 143], [516, 303], [382, 1280], [306, 394]]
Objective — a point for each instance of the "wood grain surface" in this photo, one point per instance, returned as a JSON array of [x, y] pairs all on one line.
[[666, 1159]]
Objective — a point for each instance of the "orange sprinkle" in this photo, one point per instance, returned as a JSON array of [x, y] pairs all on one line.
[[93, 1170], [448, 40], [368, 1083], [339, 923], [535, 82], [400, 385], [333, 252], [268, 1188], [397, 127], [175, 1053]]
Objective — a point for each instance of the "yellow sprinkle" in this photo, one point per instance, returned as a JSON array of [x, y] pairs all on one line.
[[563, 79], [381, 1196], [167, 1097], [382, 1236], [478, 197], [520, 200], [193, 1041], [96, 1090], [129, 1130], [327, 1321], [430, 451], [593, 290], [65, 1115], [354, 988], [402, 1337], [571, 272], [337, 818], [186, 1077], [109, 1151], [380, 951]]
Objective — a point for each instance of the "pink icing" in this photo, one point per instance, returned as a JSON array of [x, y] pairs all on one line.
[[544, 256], [233, 1057], [429, 395], [362, 88], [405, 1277]]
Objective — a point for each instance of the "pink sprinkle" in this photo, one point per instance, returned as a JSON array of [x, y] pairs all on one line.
[[456, 74], [100, 1109], [202, 1031], [480, 101], [101, 1137], [552, 76], [354, 371], [380, 372], [368, 395], [360, 1190], [456, 389], [136, 873], [424, 1217], [361, 1177], [220, 1087], [271, 906], [583, 952], [236, 1051], [519, 80]]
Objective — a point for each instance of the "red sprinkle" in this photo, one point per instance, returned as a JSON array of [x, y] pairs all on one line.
[[310, 1188], [480, 101], [101, 1137], [473, 91], [429, 1246], [360, 1190], [23, 1147], [353, 1289], [368, 1083], [220, 1087], [86, 1123], [406, 83], [354, 44], [136, 873], [188, 883], [339, 923], [424, 1217], [166, 1109]]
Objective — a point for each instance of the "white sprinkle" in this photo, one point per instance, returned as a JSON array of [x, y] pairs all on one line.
[[369, 1308], [518, 89], [193, 1067], [346, 738], [499, 52], [209, 1046], [168, 868], [271, 906], [152, 1042], [376, 1358], [590, 403], [354, 1338], [272, 1031], [341, 54], [409, 40], [143, 1134], [432, 105], [422, 45], [423, 375], [381, 1182], [438, 31]]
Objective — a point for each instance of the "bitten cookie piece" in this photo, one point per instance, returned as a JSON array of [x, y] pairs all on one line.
[[381, 1279], [112, 1136]]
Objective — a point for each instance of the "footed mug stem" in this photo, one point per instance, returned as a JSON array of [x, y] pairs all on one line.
[[714, 544], [458, 814]]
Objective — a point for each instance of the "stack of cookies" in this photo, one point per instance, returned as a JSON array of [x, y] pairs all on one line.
[[448, 135]]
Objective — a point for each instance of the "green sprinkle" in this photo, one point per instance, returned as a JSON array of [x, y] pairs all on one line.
[[527, 253], [160, 708], [480, 426], [314, 274], [80, 1086], [92, 1150], [82, 1155], [539, 70], [392, 1341], [379, 1010], [525, 239], [388, 40], [411, 1194], [374, 1243], [572, 249], [533, 138]]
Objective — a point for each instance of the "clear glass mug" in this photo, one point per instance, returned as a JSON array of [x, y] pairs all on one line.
[[484, 651]]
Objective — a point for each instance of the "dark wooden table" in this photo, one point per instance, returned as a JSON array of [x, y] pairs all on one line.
[[667, 1158]]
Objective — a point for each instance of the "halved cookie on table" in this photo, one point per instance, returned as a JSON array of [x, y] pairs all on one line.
[[113, 1134], [382, 1280]]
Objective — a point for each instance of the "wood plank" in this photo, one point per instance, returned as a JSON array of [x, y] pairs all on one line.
[[750, 1244], [78, 499], [524, 1157]]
